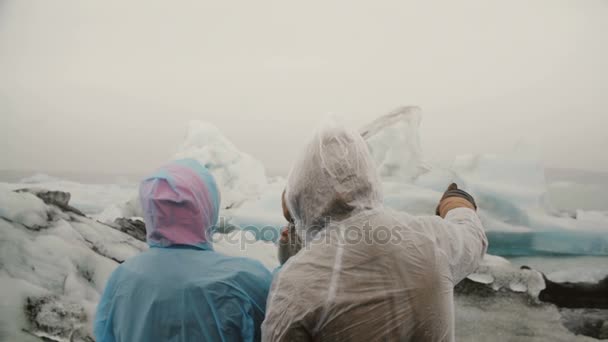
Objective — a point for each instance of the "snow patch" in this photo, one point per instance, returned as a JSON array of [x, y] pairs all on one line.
[[52, 278], [23, 208]]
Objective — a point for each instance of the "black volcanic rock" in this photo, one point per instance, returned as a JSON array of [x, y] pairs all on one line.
[[133, 227], [59, 199], [576, 295]]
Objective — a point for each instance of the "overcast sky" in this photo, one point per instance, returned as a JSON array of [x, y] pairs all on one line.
[[109, 86]]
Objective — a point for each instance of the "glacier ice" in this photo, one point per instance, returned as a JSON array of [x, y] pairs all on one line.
[[510, 189], [261, 217], [395, 145], [500, 273], [239, 175]]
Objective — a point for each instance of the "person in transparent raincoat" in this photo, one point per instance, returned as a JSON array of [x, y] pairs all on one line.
[[365, 272], [180, 289]]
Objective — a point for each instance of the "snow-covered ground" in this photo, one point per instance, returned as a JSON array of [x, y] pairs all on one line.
[[92, 199], [54, 262]]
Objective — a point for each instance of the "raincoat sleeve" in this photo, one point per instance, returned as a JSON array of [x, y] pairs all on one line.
[[103, 327], [463, 240]]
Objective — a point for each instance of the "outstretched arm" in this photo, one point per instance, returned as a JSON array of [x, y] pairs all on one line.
[[459, 233]]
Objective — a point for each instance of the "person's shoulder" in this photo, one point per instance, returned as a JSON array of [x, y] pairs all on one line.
[[140, 264], [243, 261], [119, 273], [312, 264], [137, 258], [243, 265]]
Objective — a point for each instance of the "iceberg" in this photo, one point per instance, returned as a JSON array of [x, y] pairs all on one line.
[[394, 143], [510, 189], [239, 175], [263, 217], [499, 273]]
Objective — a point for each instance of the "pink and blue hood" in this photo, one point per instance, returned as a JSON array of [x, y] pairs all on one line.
[[181, 204]]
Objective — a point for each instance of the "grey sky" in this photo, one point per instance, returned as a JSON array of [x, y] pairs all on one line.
[[109, 86]]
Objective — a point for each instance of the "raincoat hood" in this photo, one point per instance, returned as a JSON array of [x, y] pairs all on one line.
[[181, 203], [334, 178]]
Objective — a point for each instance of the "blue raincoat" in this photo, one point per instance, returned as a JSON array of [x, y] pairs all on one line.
[[180, 289]]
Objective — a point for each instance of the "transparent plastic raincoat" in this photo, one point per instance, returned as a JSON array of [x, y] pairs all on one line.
[[365, 273], [180, 289]]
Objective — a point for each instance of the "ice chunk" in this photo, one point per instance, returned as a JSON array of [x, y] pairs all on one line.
[[514, 177], [589, 269], [238, 175], [500, 273], [262, 217], [111, 213], [23, 208], [518, 285], [131, 208], [395, 144], [481, 278]]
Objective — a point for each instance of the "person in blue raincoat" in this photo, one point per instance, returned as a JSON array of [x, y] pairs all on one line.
[[180, 289]]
